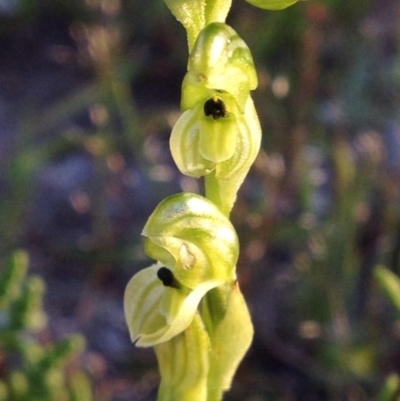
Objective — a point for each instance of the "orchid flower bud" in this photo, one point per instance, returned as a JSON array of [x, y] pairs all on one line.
[[189, 235], [198, 250], [218, 134], [272, 4], [220, 61]]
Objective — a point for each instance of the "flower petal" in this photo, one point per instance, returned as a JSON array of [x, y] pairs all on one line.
[[156, 313], [184, 144]]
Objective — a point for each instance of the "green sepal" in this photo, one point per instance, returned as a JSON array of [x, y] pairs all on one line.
[[200, 239], [194, 15], [184, 364], [272, 4], [221, 61]]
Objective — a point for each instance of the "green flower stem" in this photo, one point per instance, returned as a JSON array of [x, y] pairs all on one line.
[[195, 15]]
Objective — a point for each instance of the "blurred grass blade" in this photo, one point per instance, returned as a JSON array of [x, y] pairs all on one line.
[[10, 281], [390, 390], [390, 284]]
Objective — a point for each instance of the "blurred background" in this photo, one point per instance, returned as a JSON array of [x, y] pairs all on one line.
[[89, 91]]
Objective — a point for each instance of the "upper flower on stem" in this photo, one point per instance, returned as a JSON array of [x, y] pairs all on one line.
[[220, 61], [219, 129]]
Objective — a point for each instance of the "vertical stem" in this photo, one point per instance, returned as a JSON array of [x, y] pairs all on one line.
[[215, 192]]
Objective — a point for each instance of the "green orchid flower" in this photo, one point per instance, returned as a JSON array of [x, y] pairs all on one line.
[[197, 248], [216, 140], [218, 135], [215, 136]]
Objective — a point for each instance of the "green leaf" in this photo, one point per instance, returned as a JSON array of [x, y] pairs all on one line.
[[230, 337], [272, 4], [184, 364]]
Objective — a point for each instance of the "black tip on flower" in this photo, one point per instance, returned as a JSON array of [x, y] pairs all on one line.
[[215, 108], [167, 277]]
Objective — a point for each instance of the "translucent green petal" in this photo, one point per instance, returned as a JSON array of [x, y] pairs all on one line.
[[248, 143], [185, 143], [156, 313], [217, 138]]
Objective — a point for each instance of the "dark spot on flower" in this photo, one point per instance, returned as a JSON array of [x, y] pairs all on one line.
[[167, 277], [215, 108]]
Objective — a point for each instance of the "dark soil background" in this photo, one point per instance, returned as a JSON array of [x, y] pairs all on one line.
[[89, 91]]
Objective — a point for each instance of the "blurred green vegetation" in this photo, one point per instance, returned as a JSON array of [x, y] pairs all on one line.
[[33, 367], [99, 81]]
